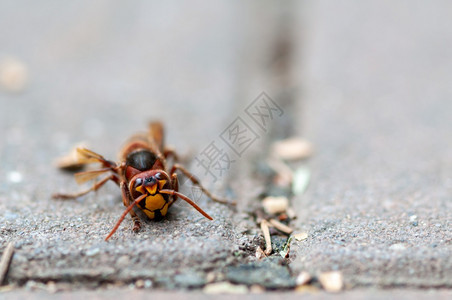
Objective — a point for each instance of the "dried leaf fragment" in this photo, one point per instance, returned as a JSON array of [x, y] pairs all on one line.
[[331, 281]]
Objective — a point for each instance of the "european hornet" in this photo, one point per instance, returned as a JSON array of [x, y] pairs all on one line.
[[142, 177]]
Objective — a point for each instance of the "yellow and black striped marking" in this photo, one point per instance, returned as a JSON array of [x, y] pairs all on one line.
[[154, 206]]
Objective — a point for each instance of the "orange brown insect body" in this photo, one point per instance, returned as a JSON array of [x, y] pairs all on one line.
[[142, 177]]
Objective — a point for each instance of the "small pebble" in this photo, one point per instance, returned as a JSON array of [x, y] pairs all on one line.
[[257, 289], [93, 252], [225, 288], [300, 236], [303, 278], [291, 213], [147, 284], [275, 205], [398, 247], [123, 261], [292, 149], [13, 75], [15, 177], [139, 284], [301, 179], [331, 281], [52, 287], [210, 277], [32, 285]]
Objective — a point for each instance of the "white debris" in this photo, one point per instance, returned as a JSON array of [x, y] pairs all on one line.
[[300, 236], [398, 247], [13, 75], [15, 177], [332, 281], [275, 205], [225, 288], [301, 179], [303, 278], [292, 149]]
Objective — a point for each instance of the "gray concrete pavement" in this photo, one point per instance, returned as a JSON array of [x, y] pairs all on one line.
[[377, 105]]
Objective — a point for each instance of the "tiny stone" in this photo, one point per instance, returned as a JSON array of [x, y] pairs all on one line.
[[15, 177], [139, 283], [292, 149], [274, 205], [413, 218], [306, 289], [301, 179], [147, 283], [331, 281], [300, 236], [210, 277], [398, 247], [257, 289], [303, 278], [51, 287], [32, 285], [13, 75], [225, 288], [123, 261], [291, 213], [92, 252]]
